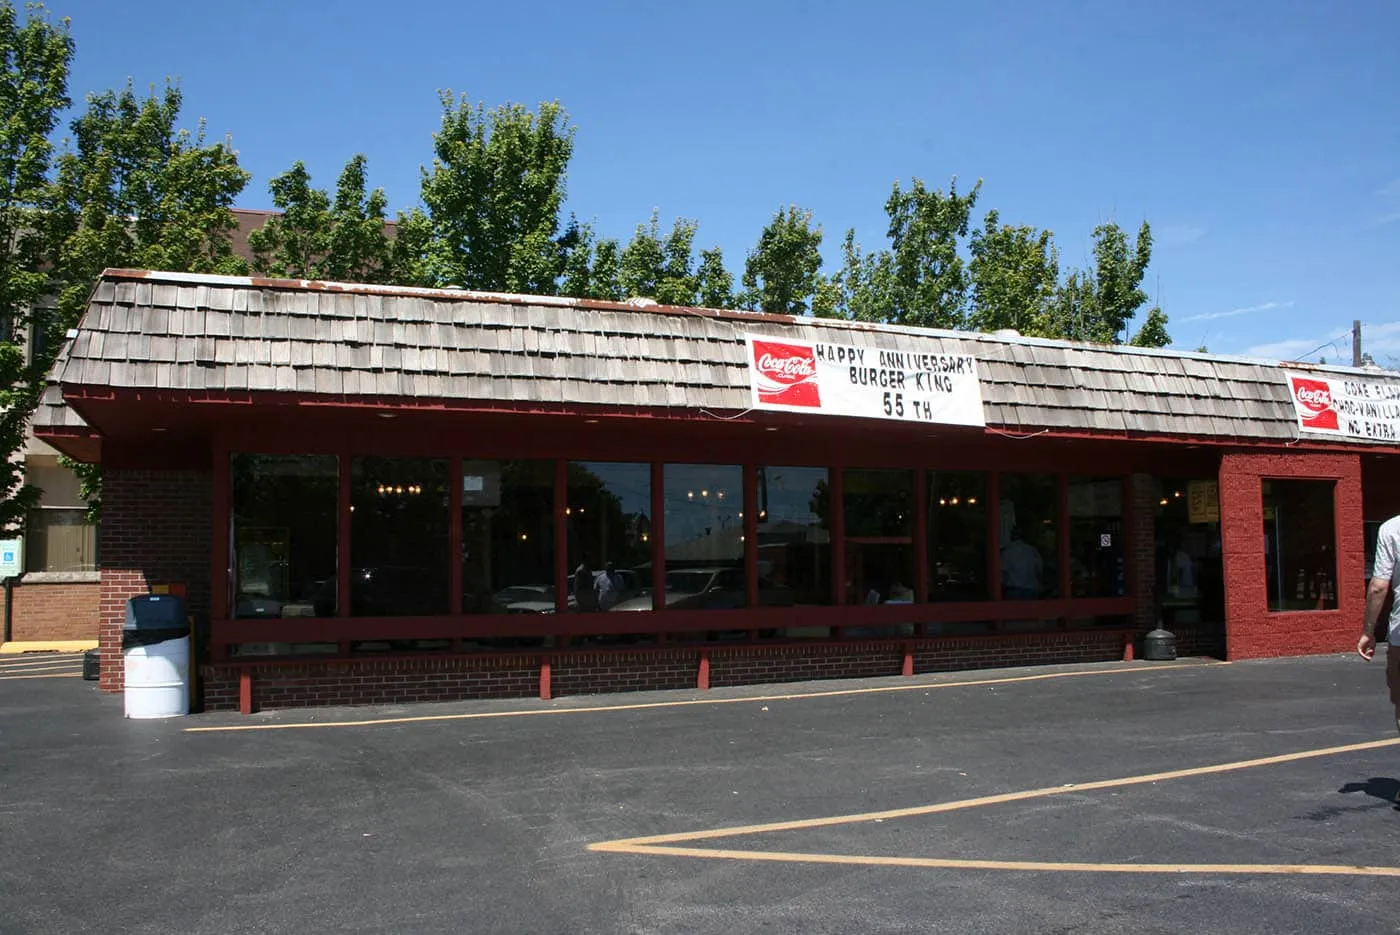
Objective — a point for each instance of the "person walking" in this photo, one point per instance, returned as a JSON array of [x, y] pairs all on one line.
[[1383, 580]]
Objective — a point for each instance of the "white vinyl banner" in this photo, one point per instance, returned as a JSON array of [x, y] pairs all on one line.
[[1351, 406], [870, 383]]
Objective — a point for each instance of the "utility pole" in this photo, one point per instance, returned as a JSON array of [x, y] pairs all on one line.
[[1356, 342]]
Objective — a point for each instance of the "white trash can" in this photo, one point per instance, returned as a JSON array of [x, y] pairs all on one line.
[[156, 657]]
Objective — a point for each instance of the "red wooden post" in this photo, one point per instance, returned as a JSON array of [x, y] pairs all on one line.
[[1128, 647], [343, 527], [545, 673], [220, 586], [1129, 538], [702, 677], [454, 536], [245, 691], [908, 660]]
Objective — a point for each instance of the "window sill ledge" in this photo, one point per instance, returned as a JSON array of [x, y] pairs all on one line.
[[62, 577]]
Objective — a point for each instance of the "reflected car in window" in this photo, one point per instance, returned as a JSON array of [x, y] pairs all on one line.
[[711, 589]]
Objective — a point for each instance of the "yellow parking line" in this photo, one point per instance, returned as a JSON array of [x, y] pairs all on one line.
[[692, 702], [19, 662], [986, 800], [1043, 866], [56, 675], [63, 668], [662, 844]]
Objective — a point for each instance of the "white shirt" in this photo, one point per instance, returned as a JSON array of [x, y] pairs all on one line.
[[1385, 565]]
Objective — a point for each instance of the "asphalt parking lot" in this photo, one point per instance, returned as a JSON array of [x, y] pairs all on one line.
[[1133, 797]]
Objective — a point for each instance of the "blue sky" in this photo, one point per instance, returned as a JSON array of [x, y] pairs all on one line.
[[1261, 140]]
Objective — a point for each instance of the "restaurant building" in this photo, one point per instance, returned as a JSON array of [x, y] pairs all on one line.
[[382, 494]]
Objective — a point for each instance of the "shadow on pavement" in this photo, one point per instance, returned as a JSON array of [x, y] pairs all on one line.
[[1387, 790]]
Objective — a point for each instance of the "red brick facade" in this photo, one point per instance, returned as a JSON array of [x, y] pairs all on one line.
[[1143, 504], [1253, 631], [155, 530], [517, 675], [59, 611]]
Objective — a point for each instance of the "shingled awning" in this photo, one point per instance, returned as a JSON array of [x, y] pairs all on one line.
[[238, 335]]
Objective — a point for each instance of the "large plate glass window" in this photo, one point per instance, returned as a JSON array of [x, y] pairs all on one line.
[[957, 537], [284, 535], [1300, 544], [705, 539], [399, 537], [879, 515], [1029, 515], [508, 537], [609, 523]]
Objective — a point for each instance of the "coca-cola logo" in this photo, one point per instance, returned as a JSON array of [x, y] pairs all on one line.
[[785, 374], [1314, 403], [787, 369], [1315, 399]]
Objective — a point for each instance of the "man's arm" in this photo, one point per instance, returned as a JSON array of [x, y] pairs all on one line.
[[1376, 593]]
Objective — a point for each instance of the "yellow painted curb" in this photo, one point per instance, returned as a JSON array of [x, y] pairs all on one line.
[[46, 646]]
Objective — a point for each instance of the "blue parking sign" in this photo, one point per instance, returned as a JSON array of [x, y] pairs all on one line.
[[11, 558]]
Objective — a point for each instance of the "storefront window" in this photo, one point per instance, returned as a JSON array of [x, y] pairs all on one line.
[[794, 535], [1029, 513], [957, 537], [508, 537], [705, 538], [284, 535], [1190, 575], [1096, 537], [609, 523], [879, 514], [1300, 544], [399, 537]]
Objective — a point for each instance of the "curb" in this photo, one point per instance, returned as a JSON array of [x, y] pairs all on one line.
[[46, 646]]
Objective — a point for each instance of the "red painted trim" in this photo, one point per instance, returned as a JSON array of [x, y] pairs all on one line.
[[310, 630], [658, 537], [245, 691], [220, 583], [344, 561], [1129, 544], [921, 477], [454, 535], [994, 535], [702, 673], [561, 536], [82, 398], [836, 484], [545, 687], [751, 535], [1062, 531]]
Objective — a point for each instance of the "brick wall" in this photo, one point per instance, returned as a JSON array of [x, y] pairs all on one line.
[[65, 611], [155, 530], [516, 675], [1143, 505], [1251, 630]]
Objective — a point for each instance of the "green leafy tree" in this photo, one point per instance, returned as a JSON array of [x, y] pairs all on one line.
[[1099, 304], [315, 237], [578, 243], [781, 273], [714, 284], [921, 279], [133, 190], [606, 278], [639, 269], [1015, 271], [678, 284], [493, 198], [34, 58]]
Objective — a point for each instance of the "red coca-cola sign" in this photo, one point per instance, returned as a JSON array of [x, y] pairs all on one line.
[[786, 374], [1314, 399]]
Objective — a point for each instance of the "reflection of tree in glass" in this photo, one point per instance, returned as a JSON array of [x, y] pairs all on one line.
[[608, 514]]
